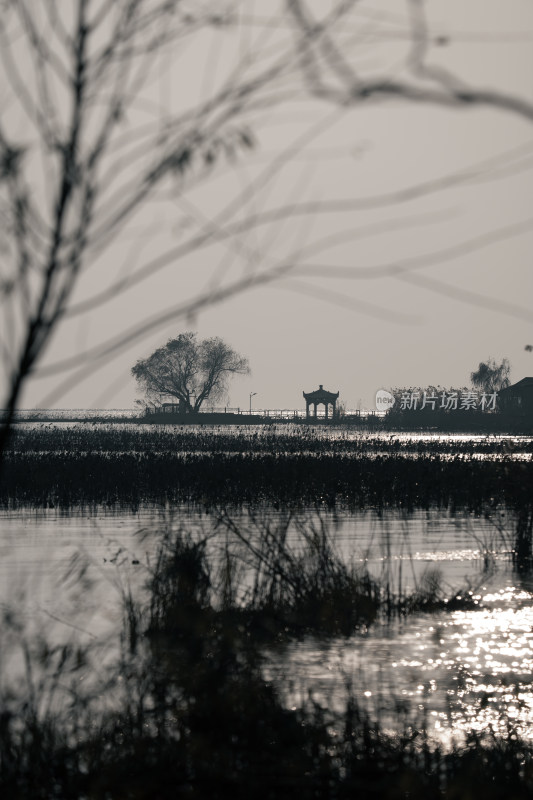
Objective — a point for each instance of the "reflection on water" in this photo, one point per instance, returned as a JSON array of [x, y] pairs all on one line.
[[458, 670], [37, 547]]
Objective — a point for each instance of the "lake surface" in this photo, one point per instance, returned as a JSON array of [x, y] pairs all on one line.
[[66, 573]]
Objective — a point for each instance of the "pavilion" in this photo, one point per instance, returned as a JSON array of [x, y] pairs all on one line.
[[320, 397]]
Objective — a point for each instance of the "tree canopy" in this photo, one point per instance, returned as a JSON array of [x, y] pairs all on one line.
[[490, 376], [190, 370]]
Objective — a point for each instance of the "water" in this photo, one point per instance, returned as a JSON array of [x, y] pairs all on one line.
[[66, 574], [37, 547], [457, 671]]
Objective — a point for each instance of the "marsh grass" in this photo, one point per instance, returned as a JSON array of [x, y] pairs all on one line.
[[86, 466], [130, 466], [191, 713], [280, 578], [183, 708], [129, 438]]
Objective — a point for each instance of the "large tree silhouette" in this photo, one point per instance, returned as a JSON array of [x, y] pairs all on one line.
[[189, 370]]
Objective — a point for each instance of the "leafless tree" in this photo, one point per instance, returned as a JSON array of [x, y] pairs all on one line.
[[79, 73], [84, 148]]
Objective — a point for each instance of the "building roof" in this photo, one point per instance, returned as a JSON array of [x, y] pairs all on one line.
[[320, 395], [525, 383]]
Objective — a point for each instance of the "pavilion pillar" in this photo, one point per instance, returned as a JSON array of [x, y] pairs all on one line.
[[327, 410]]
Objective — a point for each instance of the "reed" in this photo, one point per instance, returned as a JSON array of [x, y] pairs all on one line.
[[77, 477], [192, 713]]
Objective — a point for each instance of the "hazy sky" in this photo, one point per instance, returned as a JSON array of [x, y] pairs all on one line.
[[394, 290]]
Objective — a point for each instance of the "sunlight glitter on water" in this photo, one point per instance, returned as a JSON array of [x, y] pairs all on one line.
[[459, 671]]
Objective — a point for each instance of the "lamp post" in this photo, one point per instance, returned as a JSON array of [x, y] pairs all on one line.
[[252, 394]]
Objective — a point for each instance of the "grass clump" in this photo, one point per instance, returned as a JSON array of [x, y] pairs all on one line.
[[192, 715]]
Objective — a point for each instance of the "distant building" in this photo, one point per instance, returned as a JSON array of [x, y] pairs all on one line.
[[177, 407], [518, 399], [320, 397]]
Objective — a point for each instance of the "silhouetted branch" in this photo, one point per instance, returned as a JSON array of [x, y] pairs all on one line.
[[349, 89], [399, 267]]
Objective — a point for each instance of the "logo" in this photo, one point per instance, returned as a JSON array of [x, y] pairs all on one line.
[[384, 400]]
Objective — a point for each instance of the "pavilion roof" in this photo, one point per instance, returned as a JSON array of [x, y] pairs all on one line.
[[320, 395]]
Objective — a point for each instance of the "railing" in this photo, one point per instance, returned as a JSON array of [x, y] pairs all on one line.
[[274, 413]]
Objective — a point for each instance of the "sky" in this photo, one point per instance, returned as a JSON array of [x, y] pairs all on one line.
[[411, 263]]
